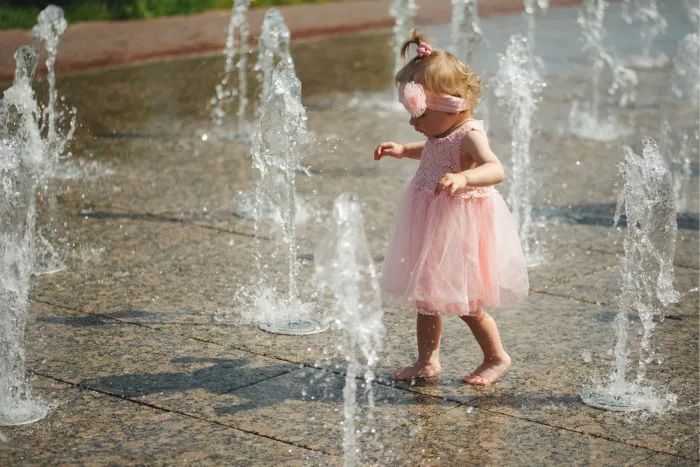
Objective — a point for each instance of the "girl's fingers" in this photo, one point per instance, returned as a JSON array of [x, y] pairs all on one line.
[[378, 153], [382, 150]]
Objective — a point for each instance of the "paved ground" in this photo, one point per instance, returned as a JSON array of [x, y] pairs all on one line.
[[129, 345], [101, 43]]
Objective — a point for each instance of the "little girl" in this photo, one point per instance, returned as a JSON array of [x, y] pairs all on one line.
[[455, 248]]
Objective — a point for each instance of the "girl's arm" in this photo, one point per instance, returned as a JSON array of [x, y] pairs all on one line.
[[399, 151], [487, 171]]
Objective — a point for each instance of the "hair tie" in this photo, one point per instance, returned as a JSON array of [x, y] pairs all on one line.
[[423, 50]]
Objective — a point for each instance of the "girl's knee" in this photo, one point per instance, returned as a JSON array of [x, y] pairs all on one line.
[[475, 317]]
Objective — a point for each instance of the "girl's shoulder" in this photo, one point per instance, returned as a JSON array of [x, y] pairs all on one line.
[[473, 125], [470, 130], [473, 136], [466, 127]]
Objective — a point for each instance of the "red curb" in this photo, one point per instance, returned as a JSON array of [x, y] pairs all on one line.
[[99, 44]]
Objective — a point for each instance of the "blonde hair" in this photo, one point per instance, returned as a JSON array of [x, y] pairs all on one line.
[[440, 72]]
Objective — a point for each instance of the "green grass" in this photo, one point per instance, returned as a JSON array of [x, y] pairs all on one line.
[[23, 14]]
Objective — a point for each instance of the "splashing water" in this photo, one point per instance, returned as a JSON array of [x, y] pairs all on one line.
[[466, 33], [518, 87], [22, 164], [404, 11], [679, 156], [682, 141], [58, 124], [693, 8], [51, 24], [686, 66], [224, 91], [646, 12], [344, 265], [647, 274], [531, 7], [277, 147], [273, 48], [585, 120]]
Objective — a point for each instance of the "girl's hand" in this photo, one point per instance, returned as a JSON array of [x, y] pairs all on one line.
[[389, 149], [453, 182]]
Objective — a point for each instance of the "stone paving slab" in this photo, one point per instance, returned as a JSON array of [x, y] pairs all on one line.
[[464, 436], [604, 287], [549, 372], [80, 348], [319, 396], [664, 459], [123, 432]]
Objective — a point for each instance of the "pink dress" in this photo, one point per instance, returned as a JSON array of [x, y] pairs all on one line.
[[453, 253]]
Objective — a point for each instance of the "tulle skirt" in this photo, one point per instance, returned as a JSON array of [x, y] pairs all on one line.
[[454, 254]]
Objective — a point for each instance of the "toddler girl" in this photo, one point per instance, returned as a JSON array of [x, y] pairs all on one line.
[[455, 248]]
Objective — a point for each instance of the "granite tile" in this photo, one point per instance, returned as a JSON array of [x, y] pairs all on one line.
[[136, 362], [604, 287], [467, 435], [86, 427], [305, 408]]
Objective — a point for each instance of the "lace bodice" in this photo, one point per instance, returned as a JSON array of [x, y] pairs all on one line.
[[441, 156]]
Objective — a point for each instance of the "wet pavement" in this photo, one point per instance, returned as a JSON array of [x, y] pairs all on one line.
[[99, 44], [137, 342]]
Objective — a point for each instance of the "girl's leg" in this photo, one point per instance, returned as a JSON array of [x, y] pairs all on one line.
[[428, 332], [496, 360]]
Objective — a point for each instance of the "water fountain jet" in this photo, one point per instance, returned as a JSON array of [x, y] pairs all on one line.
[[531, 8], [277, 148], [344, 265], [585, 120], [58, 125], [404, 12], [224, 91], [646, 12], [273, 48], [466, 33], [22, 164], [646, 270], [50, 27], [518, 88]]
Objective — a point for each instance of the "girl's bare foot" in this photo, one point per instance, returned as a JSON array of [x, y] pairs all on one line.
[[418, 371], [489, 371]]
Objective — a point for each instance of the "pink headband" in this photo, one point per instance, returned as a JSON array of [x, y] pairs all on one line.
[[416, 99]]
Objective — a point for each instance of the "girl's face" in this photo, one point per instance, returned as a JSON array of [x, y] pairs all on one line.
[[434, 123]]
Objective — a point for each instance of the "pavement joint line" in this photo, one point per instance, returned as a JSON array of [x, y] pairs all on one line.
[[299, 364], [225, 230], [641, 461], [462, 404], [340, 373], [160, 217], [592, 435], [593, 302], [577, 299], [160, 330], [179, 412]]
